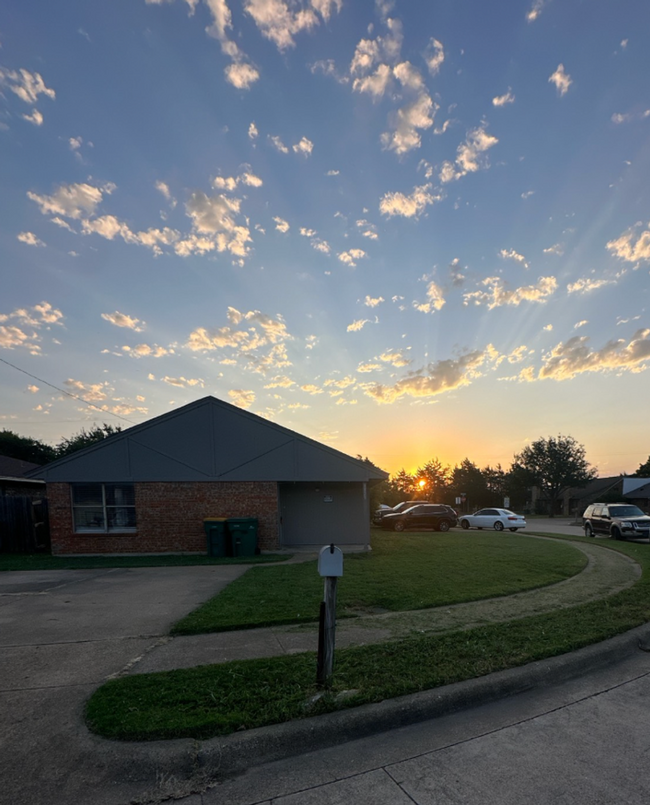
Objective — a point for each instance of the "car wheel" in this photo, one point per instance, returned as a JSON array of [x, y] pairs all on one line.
[[513, 529], [399, 526], [616, 534], [443, 525], [464, 524], [498, 526], [589, 531]]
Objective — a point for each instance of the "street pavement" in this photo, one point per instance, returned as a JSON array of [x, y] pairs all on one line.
[[581, 718]]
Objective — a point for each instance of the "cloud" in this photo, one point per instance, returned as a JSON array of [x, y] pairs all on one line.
[[71, 201], [499, 294], [215, 216], [307, 233], [511, 254], [502, 100], [630, 247], [321, 245], [280, 22], [536, 10], [93, 392], [368, 367], [281, 225], [12, 336], [434, 56], [304, 147], [257, 332], [406, 122], [146, 351], [575, 357], [369, 230], [241, 75], [557, 248], [580, 324], [370, 301], [37, 316], [122, 320], [280, 381], [278, 144], [242, 398], [183, 382], [343, 383], [587, 284], [230, 183], [396, 357], [310, 388], [470, 155], [436, 378], [253, 133], [561, 80], [357, 325], [436, 299], [630, 116], [351, 256], [27, 86], [29, 238], [36, 118], [376, 83], [528, 194], [407, 206]]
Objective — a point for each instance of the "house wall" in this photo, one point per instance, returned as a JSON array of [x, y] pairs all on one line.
[[169, 517]]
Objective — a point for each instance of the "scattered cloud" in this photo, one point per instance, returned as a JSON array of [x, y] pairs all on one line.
[[411, 206], [122, 320], [528, 194], [536, 9], [588, 284], [357, 325], [278, 144], [281, 225], [561, 80], [310, 388], [511, 254], [557, 248], [72, 201], [396, 357], [281, 21], [436, 378], [630, 116], [35, 117], [471, 155], [304, 146], [253, 133], [27, 86], [183, 382], [242, 398], [436, 299], [351, 256], [370, 301], [146, 351], [631, 247], [90, 392], [29, 238], [498, 293], [434, 56], [575, 357], [503, 100], [368, 367]]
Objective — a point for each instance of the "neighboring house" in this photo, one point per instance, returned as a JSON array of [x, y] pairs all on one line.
[[148, 489], [612, 489], [13, 481]]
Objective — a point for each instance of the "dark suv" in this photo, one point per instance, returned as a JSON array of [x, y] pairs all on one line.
[[427, 515], [379, 514], [617, 520]]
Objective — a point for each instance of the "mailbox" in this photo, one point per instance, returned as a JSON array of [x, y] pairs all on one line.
[[330, 561]]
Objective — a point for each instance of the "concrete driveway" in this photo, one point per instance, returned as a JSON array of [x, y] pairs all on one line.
[[62, 633]]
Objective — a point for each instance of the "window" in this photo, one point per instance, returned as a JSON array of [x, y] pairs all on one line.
[[103, 508]]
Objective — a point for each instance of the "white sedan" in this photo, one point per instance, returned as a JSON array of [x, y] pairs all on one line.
[[498, 519]]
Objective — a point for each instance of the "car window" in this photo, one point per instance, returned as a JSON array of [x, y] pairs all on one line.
[[598, 510], [481, 512], [490, 512], [625, 511], [588, 511]]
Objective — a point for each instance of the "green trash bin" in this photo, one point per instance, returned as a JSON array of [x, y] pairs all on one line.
[[243, 535], [217, 536]]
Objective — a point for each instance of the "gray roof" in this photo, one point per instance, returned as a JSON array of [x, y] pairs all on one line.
[[596, 487], [15, 467], [208, 440]]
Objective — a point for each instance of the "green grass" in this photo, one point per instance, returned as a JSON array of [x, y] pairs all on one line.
[[216, 700], [40, 561], [403, 572]]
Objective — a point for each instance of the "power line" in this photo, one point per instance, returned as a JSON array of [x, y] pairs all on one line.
[[69, 394]]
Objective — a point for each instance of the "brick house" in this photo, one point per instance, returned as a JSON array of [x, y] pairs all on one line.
[[148, 489]]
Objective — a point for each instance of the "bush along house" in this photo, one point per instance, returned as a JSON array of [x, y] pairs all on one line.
[[149, 488]]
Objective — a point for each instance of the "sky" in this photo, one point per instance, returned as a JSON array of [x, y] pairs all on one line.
[[405, 229]]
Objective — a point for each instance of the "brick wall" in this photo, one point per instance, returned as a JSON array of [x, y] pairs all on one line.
[[169, 517]]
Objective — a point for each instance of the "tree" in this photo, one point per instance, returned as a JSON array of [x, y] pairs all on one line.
[[644, 470], [436, 480], [555, 465], [85, 438], [404, 483], [468, 481], [24, 448]]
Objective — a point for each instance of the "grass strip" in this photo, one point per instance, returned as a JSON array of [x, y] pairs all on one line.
[[403, 572], [214, 700], [39, 561]]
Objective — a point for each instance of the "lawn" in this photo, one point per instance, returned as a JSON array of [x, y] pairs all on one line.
[[217, 700], [403, 572], [42, 561]]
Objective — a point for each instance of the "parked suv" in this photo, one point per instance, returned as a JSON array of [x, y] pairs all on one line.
[[380, 513], [427, 515], [617, 520]]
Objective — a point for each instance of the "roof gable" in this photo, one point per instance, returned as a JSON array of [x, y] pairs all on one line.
[[208, 440]]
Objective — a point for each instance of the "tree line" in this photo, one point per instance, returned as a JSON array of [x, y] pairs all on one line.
[[24, 448], [554, 465]]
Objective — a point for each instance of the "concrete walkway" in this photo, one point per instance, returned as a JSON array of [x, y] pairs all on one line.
[[606, 573]]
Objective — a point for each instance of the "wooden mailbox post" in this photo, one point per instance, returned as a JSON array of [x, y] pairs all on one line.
[[330, 567]]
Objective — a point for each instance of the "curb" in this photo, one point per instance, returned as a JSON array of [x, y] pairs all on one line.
[[214, 759]]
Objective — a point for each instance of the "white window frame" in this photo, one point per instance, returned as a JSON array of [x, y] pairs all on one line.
[[106, 529]]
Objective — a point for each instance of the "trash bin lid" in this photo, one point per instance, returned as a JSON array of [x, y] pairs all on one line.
[[215, 519]]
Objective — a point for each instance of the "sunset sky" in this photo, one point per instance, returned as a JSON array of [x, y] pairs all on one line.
[[405, 229]]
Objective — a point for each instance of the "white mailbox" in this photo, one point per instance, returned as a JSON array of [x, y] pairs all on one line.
[[330, 561]]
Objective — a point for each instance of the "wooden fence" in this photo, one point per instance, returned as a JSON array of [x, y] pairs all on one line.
[[24, 524]]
